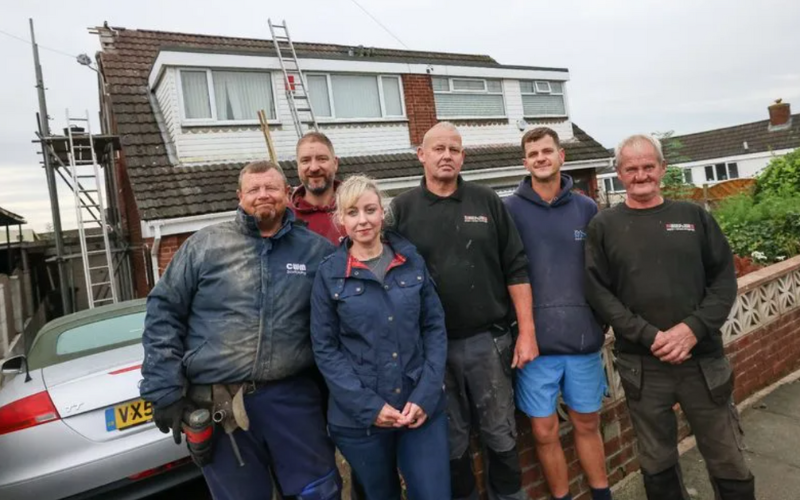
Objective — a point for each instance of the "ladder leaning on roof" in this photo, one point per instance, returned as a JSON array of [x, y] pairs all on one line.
[[296, 90], [90, 209]]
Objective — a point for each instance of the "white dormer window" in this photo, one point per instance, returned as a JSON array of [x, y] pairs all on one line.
[[225, 97], [355, 97], [468, 98], [542, 98]]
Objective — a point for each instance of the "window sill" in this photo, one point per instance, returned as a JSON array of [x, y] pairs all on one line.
[[221, 124], [546, 117], [347, 121], [471, 118]]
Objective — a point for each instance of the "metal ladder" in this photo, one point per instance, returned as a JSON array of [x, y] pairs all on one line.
[[90, 209], [296, 91]]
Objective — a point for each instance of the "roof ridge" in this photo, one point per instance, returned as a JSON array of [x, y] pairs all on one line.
[[484, 57], [730, 127]]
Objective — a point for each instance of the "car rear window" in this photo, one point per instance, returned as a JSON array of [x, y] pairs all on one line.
[[109, 332]]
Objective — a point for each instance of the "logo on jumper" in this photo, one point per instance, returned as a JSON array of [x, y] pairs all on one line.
[[476, 218], [580, 235], [296, 269], [680, 227]]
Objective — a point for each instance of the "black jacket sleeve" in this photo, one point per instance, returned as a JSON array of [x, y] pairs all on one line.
[[721, 285], [600, 293]]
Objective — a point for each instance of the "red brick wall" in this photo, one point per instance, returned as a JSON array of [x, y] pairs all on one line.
[[420, 106], [766, 355], [166, 250]]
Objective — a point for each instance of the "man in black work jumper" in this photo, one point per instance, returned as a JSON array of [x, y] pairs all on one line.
[[477, 260], [661, 273]]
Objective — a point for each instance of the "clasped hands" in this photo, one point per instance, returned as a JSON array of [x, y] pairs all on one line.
[[674, 345], [412, 416]]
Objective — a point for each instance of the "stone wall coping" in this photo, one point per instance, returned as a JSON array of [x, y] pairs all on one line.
[[769, 273]]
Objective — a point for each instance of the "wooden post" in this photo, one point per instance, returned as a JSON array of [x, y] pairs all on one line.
[[262, 119], [706, 201]]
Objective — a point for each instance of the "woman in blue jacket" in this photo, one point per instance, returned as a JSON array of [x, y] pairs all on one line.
[[377, 328]]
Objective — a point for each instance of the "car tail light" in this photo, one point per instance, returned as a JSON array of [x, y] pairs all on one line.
[[160, 469], [27, 412]]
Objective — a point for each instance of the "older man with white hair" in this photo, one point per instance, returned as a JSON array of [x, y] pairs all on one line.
[[476, 258], [661, 273]]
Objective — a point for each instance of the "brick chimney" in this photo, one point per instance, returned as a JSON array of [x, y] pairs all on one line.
[[779, 114]]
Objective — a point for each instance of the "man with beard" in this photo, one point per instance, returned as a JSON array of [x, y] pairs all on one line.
[[314, 201], [661, 273], [552, 221], [476, 258], [232, 312]]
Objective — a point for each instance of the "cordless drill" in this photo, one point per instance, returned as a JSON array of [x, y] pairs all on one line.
[[199, 430]]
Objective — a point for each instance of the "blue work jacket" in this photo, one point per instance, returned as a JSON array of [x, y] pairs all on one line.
[[376, 342], [231, 307]]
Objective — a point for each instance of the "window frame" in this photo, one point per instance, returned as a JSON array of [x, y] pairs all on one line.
[[212, 99], [379, 77], [713, 167], [611, 182], [534, 86], [485, 91]]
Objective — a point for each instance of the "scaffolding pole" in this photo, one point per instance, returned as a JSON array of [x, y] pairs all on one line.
[[52, 188]]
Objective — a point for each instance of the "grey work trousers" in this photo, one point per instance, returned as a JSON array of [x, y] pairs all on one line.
[[478, 384], [703, 386]]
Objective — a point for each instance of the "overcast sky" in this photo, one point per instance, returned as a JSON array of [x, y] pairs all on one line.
[[635, 65]]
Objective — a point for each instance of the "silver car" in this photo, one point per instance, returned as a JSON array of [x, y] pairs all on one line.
[[71, 420]]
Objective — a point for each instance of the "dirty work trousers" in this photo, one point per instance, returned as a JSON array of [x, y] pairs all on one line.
[[287, 436], [478, 384], [421, 454], [703, 386]]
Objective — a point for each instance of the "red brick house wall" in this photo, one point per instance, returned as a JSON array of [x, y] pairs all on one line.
[[420, 106]]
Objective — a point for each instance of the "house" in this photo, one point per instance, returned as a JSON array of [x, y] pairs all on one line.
[[726, 153], [184, 107]]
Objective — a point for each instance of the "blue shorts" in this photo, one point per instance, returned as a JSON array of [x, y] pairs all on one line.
[[579, 377]]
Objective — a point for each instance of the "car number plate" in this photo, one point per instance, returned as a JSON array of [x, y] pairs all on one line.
[[128, 414]]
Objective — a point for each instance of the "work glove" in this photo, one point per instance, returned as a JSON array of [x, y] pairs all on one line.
[[170, 417]]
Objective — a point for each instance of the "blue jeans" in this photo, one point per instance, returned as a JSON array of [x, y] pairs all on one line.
[[421, 454], [287, 437]]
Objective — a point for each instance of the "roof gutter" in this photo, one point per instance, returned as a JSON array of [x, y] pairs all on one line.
[[183, 225]]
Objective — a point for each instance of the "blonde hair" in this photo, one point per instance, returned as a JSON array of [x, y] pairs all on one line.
[[349, 192]]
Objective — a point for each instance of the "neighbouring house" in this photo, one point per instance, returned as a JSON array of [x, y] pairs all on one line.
[[713, 156], [185, 106]]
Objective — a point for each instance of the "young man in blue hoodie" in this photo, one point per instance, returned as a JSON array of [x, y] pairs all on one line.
[[552, 222]]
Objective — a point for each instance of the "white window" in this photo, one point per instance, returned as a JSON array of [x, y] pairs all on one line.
[[542, 98], [225, 96], [722, 172], [468, 98], [687, 176], [613, 185], [355, 96]]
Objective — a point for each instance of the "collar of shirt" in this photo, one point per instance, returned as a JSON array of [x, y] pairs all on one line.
[[433, 198]]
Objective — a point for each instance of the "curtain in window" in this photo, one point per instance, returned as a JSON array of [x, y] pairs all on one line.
[[451, 105], [543, 104], [356, 96], [391, 96], [196, 103], [318, 94], [239, 95]]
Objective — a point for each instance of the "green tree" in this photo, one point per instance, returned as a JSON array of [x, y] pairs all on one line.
[[674, 184], [782, 176]]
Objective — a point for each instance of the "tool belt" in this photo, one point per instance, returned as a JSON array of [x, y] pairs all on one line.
[[226, 404]]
